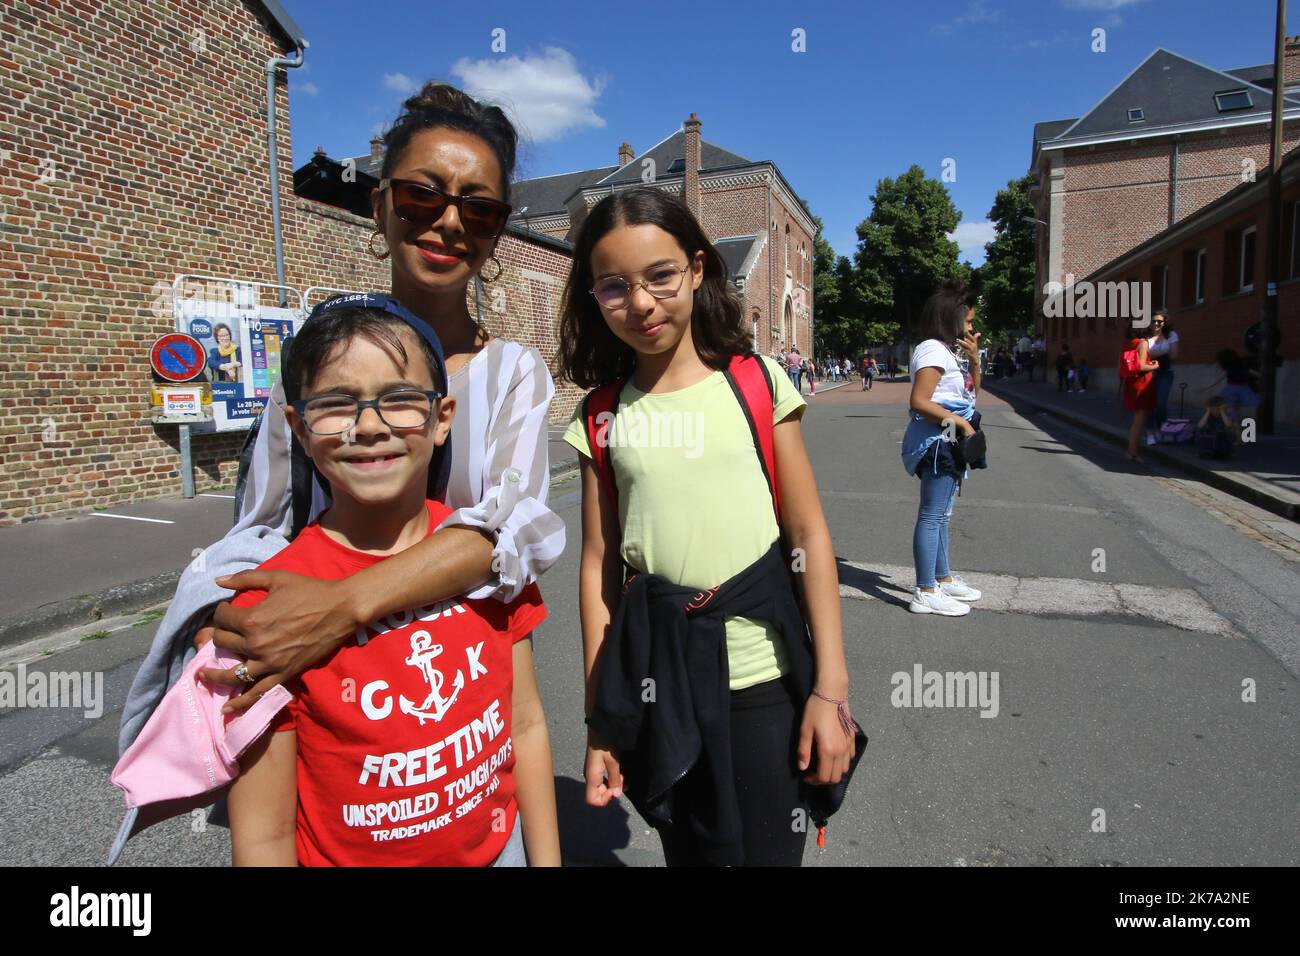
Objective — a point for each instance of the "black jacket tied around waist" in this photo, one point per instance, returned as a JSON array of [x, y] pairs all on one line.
[[663, 690]]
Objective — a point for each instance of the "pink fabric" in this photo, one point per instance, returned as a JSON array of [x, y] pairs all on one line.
[[188, 748]]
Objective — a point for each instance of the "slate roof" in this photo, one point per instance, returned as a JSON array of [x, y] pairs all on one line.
[[282, 24], [735, 250], [665, 152], [546, 194], [1173, 92]]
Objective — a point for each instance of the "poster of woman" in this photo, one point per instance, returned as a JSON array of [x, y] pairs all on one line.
[[223, 357]]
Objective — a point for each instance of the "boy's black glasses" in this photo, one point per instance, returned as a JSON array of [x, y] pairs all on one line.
[[336, 413], [664, 282], [422, 205]]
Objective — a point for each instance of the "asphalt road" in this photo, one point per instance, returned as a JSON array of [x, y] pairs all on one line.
[[1120, 734]]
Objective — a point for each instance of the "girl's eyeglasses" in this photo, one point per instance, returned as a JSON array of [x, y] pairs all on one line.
[[664, 282], [422, 205], [336, 413]]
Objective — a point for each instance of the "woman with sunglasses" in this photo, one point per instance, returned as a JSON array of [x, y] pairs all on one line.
[[440, 209]]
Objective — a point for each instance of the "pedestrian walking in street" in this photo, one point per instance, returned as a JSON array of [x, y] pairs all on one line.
[[794, 366], [500, 537], [1135, 376], [942, 415], [1083, 372], [685, 577], [1064, 366], [810, 369], [870, 372], [1162, 348]]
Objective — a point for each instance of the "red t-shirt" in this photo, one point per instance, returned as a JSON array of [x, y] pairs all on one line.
[[404, 749]]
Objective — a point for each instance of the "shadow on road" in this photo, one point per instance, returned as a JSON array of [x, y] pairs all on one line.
[[872, 583], [589, 835]]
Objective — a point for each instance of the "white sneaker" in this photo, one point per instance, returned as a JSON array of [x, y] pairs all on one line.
[[936, 602], [959, 589]]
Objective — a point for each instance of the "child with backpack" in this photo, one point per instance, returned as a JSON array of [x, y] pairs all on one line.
[[703, 563]]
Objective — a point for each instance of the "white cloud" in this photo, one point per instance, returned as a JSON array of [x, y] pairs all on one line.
[[545, 96], [400, 83], [971, 237], [1100, 4], [310, 88], [977, 11]]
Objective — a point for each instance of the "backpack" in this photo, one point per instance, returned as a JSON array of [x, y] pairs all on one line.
[[1130, 365], [752, 384]]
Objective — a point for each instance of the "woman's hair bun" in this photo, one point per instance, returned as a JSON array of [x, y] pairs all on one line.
[[442, 106], [440, 96]]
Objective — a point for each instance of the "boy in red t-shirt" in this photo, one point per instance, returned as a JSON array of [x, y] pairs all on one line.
[[420, 741]]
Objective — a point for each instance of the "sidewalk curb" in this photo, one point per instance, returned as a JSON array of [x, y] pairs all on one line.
[[74, 612], [132, 596], [1239, 486]]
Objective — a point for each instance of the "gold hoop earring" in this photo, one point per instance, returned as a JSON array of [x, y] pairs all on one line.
[[370, 245], [500, 269]]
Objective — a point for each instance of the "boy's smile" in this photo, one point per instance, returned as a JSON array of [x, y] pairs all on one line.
[[377, 473]]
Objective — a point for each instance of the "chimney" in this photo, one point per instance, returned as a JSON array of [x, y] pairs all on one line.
[[1291, 61], [691, 150], [377, 148], [625, 154]]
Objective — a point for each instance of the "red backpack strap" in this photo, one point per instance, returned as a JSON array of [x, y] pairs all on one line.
[[751, 381], [598, 409]]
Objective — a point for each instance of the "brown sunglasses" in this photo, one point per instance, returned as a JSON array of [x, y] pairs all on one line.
[[422, 205]]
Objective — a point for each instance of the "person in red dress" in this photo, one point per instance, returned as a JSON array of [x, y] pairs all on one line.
[[1140, 386]]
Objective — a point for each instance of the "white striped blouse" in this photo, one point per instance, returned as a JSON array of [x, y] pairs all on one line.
[[500, 467]]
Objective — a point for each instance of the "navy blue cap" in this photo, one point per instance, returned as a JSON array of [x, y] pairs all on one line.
[[440, 468]]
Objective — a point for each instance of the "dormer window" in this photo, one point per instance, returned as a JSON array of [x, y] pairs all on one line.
[[1136, 115], [678, 165], [1233, 100]]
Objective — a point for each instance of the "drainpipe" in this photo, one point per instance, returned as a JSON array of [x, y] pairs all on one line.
[[1173, 187], [272, 67]]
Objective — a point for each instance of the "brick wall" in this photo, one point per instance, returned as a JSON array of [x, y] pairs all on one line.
[[134, 147], [1218, 322], [1118, 196]]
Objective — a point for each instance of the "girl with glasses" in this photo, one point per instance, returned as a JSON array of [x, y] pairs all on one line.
[[439, 212], [647, 307]]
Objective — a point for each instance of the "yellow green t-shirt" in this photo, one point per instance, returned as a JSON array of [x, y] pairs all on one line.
[[692, 500]]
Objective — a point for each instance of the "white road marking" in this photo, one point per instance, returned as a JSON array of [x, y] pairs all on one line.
[[1182, 608], [207, 495], [105, 514]]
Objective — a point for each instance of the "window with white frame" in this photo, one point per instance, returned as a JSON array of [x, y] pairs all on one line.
[[1247, 258]]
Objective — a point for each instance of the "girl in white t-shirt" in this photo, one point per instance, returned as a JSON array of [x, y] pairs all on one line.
[[945, 372], [1162, 348]]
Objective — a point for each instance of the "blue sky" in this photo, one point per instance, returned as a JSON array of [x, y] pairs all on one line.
[[881, 85]]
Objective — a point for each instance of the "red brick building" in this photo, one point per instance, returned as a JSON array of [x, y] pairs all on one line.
[[133, 149], [1208, 271], [1166, 171], [746, 208]]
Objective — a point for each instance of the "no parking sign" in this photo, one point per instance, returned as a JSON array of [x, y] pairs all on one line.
[[177, 357]]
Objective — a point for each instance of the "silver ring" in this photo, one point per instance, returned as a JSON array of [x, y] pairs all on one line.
[[241, 673]]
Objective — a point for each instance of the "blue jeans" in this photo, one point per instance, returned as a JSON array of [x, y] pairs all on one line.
[[930, 537], [1164, 385], [794, 377]]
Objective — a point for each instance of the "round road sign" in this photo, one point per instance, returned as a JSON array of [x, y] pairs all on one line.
[[177, 357]]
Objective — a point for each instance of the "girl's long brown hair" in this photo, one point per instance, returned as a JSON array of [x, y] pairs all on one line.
[[590, 353]]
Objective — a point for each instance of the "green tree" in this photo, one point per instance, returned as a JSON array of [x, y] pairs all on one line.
[[903, 248], [1007, 276]]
